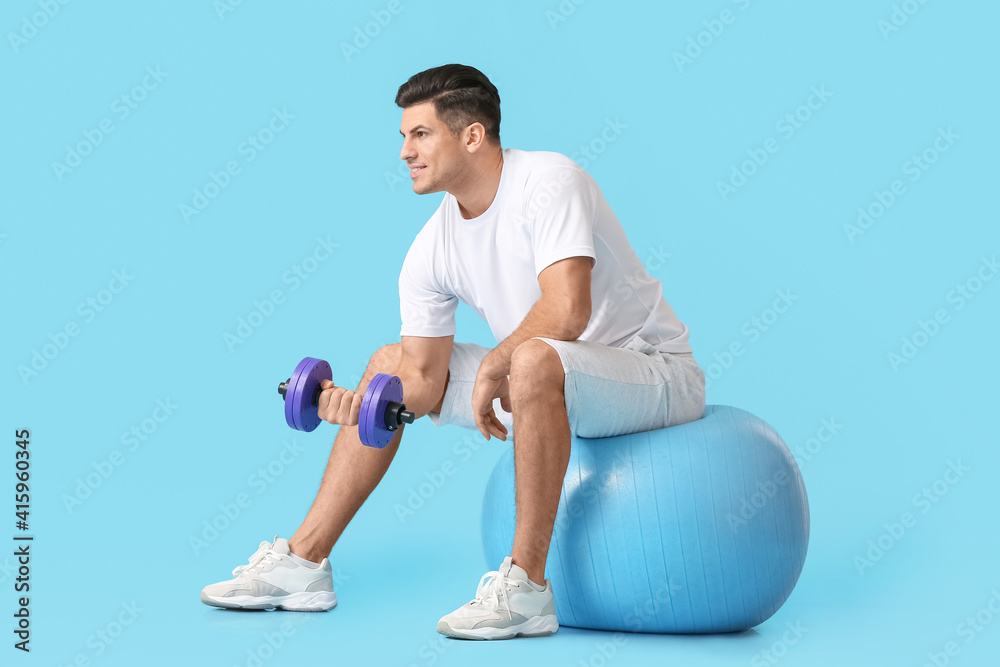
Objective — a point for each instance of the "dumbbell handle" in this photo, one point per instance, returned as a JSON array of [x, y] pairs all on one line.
[[283, 389], [395, 413]]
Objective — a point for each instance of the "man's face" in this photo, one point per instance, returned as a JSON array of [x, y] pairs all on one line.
[[435, 156]]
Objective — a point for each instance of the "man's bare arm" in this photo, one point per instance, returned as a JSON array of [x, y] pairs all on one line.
[[562, 312], [423, 370]]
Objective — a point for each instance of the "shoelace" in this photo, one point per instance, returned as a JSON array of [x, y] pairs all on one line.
[[492, 590], [262, 554]]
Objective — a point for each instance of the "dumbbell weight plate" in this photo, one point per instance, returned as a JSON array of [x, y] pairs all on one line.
[[382, 389], [301, 412]]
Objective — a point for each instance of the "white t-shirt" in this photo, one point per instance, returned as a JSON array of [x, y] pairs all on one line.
[[546, 208]]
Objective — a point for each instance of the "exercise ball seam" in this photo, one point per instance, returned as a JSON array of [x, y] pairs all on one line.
[[715, 526], [781, 527], [604, 536], [769, 510], [697, 534], [756, 469], [680, 539], [558, 554], [571, 556], [743, 490], [729, 501], [642, 546], [659, 532]]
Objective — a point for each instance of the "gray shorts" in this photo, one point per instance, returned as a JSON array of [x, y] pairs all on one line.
[[609, 391]]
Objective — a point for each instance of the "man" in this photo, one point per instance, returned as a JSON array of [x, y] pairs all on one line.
[[586, 345]]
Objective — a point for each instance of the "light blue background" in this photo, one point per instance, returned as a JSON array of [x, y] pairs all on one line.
[[332, 173]]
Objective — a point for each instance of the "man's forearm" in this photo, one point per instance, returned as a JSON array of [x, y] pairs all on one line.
[[420, 393], [542, 320]]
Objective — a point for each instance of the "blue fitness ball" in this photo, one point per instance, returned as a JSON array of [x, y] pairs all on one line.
[[696, 528]]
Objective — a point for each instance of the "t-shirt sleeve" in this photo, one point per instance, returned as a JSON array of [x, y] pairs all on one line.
[[425, 309], [562, 208]]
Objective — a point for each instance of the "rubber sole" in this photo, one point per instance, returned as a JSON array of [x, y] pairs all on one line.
[[539, 626], [322, 601]]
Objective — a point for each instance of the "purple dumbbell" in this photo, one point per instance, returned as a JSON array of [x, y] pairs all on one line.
[[382, 409]]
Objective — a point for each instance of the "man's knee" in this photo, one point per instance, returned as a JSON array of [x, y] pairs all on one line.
[[535, 364]]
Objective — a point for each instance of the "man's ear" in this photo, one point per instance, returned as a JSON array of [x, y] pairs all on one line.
[[474, 137]]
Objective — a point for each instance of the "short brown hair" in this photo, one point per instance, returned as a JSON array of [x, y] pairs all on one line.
[[462, 95]]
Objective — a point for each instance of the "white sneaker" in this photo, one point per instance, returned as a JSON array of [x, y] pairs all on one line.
[[273, 580], [506, 606]]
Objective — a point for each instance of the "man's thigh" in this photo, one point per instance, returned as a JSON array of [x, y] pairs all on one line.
[[615, 391], [609, 391]]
